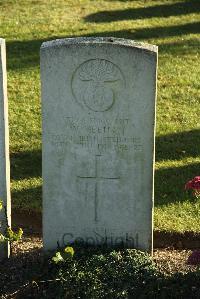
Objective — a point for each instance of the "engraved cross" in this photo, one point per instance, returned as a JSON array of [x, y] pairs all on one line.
[[97, 178]]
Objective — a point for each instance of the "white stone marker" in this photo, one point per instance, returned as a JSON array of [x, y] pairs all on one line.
[[98, 104], [5, 214]]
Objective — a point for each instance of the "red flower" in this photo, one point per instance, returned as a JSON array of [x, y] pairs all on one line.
[[194, 258], [193, 184]]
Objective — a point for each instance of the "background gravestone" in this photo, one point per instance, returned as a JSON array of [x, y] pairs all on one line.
[[5, 214], [98, 103]]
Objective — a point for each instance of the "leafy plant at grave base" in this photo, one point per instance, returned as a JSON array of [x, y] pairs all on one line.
[[10, 235], [102, 273], [91, 273], [64, 255]]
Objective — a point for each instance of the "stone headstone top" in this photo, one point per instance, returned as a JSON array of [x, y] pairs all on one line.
[[98, 106], [99, 40]]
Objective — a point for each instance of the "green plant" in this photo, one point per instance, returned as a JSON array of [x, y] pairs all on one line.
[[63, 255], [102, 273], [10, 235]]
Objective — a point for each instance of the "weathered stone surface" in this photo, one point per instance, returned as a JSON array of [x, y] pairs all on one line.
[[5, 214], [98, 105]]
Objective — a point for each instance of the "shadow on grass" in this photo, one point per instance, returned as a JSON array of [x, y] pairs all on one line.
[[26, 164], [25, 54], [28, 199], [191, 46], [157, 11], [155, 32], [178, 145], [170, 182], [166, 31]]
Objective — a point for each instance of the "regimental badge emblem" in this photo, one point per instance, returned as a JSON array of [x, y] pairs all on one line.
[[95, 84]]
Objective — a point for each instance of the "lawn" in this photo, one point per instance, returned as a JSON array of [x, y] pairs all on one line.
[[172, 25]]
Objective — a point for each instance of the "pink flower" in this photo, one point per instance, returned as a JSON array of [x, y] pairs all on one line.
[[193, 184], [194, 258]]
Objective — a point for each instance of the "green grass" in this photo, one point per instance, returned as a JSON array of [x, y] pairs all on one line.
[[173, 25]]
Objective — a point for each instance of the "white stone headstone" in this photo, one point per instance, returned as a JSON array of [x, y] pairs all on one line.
[[5, 214], [98, 105]]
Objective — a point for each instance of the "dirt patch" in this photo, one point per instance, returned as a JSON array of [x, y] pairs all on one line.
[[29, 221], [186, 240], [170, 261], [14, 275]]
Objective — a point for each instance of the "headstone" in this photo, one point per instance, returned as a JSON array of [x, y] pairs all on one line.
[[98, 105], [5, 213]]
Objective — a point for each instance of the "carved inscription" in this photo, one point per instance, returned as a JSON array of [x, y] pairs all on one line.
[[96, 135], [97, 178], [94, 84]]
